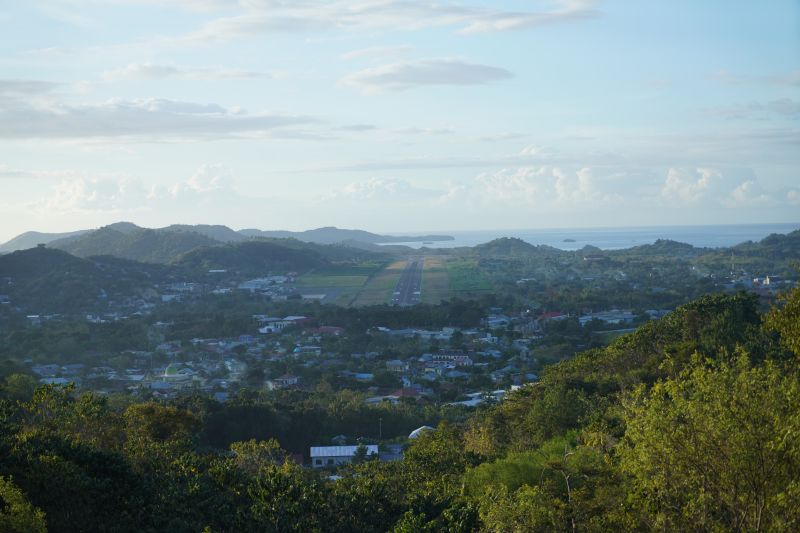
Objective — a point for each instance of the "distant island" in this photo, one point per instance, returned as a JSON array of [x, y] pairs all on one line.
[[569, 240]]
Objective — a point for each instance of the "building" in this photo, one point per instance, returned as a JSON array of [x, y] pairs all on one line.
[[330, 456]]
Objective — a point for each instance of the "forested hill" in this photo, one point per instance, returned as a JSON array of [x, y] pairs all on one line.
[[125, 239], [48, 280], [513, 247], [252, 258], [781, 253], [139, 244], [688, 424], [333, 235], [53, 281]]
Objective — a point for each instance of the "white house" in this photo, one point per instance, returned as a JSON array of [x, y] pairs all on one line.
[[327, 456]]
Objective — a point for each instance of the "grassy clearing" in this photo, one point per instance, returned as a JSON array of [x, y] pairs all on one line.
[[325, 281], [341, 283], [435, 280], [466, 278], [379, 288]]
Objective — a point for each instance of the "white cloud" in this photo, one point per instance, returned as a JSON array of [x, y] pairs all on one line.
[[25, 88], [499, 137], [209, 185], [207, 178], [264, 17], [379, 190], [689, 186], [784, 107], [748, 193], [786, 79], [149, 119], [94, 194], [546, 188], [376, 52], [714, 187], [423, 72], [151, 71]]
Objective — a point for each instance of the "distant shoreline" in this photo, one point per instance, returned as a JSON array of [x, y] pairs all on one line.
[[571, 239]]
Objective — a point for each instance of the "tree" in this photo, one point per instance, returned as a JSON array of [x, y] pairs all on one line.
[[17, 515], [786, 320], [716, 448], [19, 387]]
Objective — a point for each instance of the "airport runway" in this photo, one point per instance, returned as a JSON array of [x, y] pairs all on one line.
[[409, 288]]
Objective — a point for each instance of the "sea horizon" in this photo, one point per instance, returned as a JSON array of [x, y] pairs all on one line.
[[612, 238]]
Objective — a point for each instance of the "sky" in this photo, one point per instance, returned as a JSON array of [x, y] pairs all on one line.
[[398, 115]]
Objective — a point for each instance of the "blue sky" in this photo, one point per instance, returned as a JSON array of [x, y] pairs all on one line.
[[390, 115]]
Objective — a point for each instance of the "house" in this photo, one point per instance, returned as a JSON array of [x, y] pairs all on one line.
[[330, 456], [283, 382], [274, 325], [396, 365], [419, 431]]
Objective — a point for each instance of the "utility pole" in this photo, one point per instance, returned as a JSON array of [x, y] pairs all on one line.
[[380, 428]]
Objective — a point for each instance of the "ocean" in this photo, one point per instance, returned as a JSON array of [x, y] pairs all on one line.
[[715, 236]]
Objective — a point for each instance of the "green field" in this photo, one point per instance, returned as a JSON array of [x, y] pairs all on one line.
[[435, 281], [378, 289], [340, 284], [466, 278]]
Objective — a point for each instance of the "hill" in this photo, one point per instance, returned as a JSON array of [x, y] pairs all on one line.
[[30, 239], [252, 258], [333, 235], [513, 247], [52, 281], [217, 232], [138, 244]]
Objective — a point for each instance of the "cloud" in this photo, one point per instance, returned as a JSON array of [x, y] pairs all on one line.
[[424, 72], [358, 127], [209, 186], [23, 88], [787, 79], [784, 108], [376, 52], [8, 172], [207, 178], [714, 187], [149, 119], [498, 137], [424, 131], [689, 186], [380, 190], [150, 71], [263, 17], [504, 21], [84, 194], [547, 187]]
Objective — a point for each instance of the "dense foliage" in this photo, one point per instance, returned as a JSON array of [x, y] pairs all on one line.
[[688, 424]]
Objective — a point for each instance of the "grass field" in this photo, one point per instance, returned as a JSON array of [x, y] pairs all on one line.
[[466, 278], [378, 289], [340, 284], [435, 281]]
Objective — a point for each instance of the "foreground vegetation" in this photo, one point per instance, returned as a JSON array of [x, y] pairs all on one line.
[[688, 424]]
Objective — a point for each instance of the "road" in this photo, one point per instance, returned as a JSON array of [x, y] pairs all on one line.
[[409, 287]]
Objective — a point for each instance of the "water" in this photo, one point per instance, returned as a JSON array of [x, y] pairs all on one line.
[[616, 238]]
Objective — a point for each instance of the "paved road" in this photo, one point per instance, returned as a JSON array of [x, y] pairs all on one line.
[[409, 287]]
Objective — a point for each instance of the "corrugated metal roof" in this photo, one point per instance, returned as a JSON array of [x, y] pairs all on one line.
[[340, 451]]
